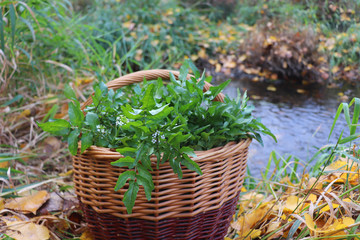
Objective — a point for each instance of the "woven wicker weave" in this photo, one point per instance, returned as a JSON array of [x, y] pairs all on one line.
[[194, 207]]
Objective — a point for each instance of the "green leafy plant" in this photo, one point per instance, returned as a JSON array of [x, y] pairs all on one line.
[[169, 121]]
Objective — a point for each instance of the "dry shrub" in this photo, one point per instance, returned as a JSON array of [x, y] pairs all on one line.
[[218, 8], [288, 50]]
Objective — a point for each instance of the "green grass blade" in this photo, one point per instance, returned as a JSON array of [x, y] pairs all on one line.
[[347, 114], [356, 114], [28, 24], [335, 119], [12, 23], [349, 138], [293, 229], [268, 165], [2, 40]]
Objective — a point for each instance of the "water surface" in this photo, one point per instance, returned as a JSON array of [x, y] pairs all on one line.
[[300, 119]]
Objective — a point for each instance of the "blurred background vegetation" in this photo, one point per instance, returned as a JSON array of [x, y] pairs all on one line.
[[45, 44], [63, 41]]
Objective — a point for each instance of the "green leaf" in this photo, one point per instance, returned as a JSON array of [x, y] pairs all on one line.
[[97, 96], [190, 164], [51, 113], [188, 151], [2, 40], [12, 23], [158, 110], [161, 114], [215, 90], [127, 151], [124, 162], [17, 97], [123, 178], [130, 196], [178, 138], [194, 68], [75, 114], [69, 92], [73, 141], [59, 127], [356, 114], [146, 174], [148, 101], [184, 70], [175, 165], [128, 114], [86, 140], [92, 119], [338, 112], [104, 89], [349, 138], [147, 186]]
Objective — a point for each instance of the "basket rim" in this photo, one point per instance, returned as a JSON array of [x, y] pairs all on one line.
[[201, 156]]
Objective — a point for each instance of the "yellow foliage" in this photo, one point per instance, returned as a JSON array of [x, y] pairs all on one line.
[[202, 53], [292, 204], [29, 203], [86, 235], [343, 170], [245, 224], [21, 230], [333, 229]]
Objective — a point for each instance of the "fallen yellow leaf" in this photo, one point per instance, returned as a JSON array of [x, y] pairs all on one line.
[[273, 226], [242, 58], [194, 57], [68, 173], [83, 80], [230, 64], [128, 24], [4, 164], [271, 88], [212, 61], [2, 203], [291, 204], [218, 67], [301, 91], [335, 69], [343, 170], [245, 224], [327, 208], [334, 229], [21, 230], [29, 203], [86, 235], [202, 53], [346, 69]]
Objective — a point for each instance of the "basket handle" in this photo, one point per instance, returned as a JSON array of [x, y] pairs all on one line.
[[139, 76]]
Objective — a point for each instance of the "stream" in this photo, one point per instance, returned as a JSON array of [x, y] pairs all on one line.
[[300, 119]]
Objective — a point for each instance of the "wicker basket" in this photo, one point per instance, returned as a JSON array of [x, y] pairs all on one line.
[[194, 207]]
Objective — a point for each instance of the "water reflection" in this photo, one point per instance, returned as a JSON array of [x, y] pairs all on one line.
[[300, 121]]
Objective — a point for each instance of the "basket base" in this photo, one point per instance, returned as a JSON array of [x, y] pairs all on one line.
[[210, 225]]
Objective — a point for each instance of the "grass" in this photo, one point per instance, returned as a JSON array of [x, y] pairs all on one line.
[[47, 44], [315, 204]]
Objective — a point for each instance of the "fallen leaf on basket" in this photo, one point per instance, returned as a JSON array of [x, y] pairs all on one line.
[[29, 203], [21, 230]]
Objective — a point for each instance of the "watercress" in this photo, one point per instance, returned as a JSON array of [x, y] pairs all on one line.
[[169, 121]]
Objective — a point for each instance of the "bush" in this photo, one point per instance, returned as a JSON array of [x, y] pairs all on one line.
[[290, 52]]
